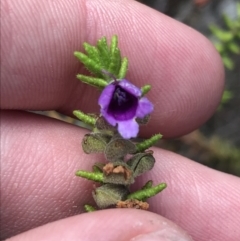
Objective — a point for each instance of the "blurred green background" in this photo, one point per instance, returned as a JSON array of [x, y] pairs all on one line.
[[217, 143]]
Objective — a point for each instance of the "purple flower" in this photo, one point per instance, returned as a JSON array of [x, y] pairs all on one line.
[[121, 103]]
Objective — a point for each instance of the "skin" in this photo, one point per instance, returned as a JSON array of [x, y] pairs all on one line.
[[40, 155]]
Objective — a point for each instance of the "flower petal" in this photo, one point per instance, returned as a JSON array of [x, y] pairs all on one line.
[[106, 96], [145, 107], [109, 118], [130, 88], [128, 129]]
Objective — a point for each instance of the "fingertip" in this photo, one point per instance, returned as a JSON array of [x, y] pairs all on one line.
[[112, 224]]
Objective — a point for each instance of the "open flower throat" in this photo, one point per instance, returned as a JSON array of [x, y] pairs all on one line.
[[121, 103]]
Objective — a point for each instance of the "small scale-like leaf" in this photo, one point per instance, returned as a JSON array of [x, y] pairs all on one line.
[[109, 195], [94, 143], [118, 148], [141, 162], [104, 127], [144, 120]]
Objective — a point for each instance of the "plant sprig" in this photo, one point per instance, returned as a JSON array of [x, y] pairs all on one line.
[[102, 59]]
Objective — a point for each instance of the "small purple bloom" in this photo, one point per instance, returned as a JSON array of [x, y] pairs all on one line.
[[121, 103]]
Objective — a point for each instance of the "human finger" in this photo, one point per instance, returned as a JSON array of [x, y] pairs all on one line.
[[40, 155], [132, 225], [38, 67]]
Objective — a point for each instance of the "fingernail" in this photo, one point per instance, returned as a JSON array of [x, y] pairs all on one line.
[[168, 234]]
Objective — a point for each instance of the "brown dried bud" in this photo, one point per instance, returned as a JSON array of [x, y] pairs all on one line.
[[133, 203], [141, 162], [109, 195], [118, 148], [118, 173]]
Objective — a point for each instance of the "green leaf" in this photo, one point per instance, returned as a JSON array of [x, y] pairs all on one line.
[[92, 52], [114, 44], [96, 82], [229, 22], [104, 52], [147, 193], [115, 62], [147, 185], [97, 177], [238, 35], [238, 10], [220, 47], [227, 95], [145, 89], [89, 208], [101, 60], [144, 145], [222, 35], [123, 69], [234, 48], [90, 64], [228, 63], [84, 117]]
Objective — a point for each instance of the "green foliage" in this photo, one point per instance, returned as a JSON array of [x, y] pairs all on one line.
[[89, 208], [103, 61], [87, 119], [227, 95], [142, 146], [147, 192], [126, 159], [145, 89], [228, 40]]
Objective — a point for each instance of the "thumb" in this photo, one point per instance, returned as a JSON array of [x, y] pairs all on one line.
[[112, 224]]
